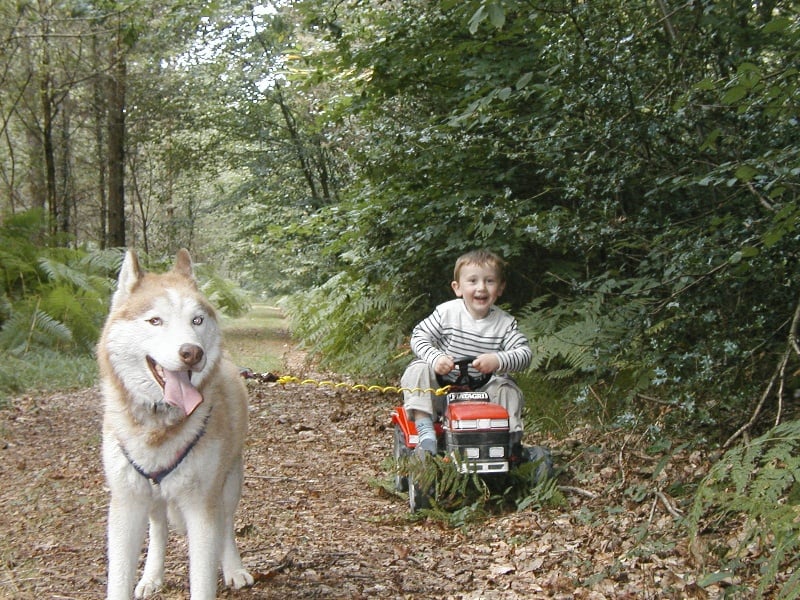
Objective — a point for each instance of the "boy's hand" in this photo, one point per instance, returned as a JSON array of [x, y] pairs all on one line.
[[486, 363], [443, 365]]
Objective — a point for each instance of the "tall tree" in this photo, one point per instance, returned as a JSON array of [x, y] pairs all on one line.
[[117, 80]]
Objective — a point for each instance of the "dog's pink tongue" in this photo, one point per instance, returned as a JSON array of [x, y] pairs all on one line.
[[179, 391]]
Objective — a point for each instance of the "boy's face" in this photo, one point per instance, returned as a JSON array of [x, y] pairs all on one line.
[[480, 288]]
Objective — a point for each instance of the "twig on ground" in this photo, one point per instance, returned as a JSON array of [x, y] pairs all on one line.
[[675, 512], [577, 490], [652, 510]]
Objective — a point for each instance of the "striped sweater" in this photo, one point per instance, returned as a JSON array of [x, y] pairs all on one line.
[[451, 330]]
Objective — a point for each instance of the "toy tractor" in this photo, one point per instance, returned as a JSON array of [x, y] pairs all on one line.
[[470, 429]]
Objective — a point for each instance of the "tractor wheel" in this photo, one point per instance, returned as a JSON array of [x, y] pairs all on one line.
[[418, 499], [544, 462], [401, 452]]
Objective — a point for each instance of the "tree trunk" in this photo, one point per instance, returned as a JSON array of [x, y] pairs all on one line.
[[65, 195], [48, 115], [100, 115], [116, 147], [297, 142]]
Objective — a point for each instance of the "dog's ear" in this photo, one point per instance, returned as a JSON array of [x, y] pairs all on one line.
[[129, 276], [183, 264]]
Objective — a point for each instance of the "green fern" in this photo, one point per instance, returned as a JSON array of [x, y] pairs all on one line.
[[63, 272], [352, 325], [460, 496], [583, 335], [596, 337], [53, 297], [223, 293], [754, 492], [452, 489], [28, 329]]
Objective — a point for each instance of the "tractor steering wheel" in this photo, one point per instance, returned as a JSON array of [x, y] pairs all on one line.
[[464, 379]]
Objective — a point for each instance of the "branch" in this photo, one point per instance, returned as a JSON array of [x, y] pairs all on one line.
[[779, 373], [577, 490], [675, 512], [761, 199], [667, 22]]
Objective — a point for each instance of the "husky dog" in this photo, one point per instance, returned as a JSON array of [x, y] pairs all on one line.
[[173, 430]]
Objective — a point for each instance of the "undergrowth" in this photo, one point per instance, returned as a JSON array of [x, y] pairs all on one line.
[[462, 498], [45, 371], [752, 498]]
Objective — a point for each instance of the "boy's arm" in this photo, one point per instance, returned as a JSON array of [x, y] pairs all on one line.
[[516, 354], [427, 340]]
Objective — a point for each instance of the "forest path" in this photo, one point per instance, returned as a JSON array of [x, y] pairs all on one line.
[[313, 523]]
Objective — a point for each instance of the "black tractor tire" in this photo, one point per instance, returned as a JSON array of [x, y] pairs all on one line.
[[544, 462], [418, 499]]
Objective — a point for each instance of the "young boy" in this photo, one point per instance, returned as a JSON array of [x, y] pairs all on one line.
[[470, 325]]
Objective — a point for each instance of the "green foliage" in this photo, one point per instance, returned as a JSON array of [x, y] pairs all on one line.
[[56, 297], [53, 304], [547, 407], [222, 293], [460, 497], [347, 324], [25, 331], [637, 169], [751, 497], [45, 371]]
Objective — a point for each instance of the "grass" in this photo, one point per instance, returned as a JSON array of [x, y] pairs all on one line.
[[45, 371], [258, 340]]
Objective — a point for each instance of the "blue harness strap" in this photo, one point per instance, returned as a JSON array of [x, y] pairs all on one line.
[[158, 476]]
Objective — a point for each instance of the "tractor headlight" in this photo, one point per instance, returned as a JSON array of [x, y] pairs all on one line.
[[465, 424], [499, 423], [472, 453], [497, 452]]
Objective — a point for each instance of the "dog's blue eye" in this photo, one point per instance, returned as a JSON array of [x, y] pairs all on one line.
[[155, 321], [197, 321]]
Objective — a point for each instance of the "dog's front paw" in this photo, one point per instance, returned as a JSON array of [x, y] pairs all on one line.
[[146, 588], [238, 579]]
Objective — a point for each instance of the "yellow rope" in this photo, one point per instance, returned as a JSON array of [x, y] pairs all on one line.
[[360, 387]]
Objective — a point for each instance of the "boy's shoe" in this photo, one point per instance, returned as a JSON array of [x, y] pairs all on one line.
[[424, 448], [418, 497]]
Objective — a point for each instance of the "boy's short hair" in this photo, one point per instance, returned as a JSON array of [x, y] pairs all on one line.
[[481, 258]]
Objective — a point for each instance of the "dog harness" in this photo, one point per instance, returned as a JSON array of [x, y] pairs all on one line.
[[158, 476]]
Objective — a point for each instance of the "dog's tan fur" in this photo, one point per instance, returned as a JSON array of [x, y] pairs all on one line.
[[160, 315]]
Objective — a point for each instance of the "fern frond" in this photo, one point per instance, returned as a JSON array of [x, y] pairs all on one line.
[[34, 328], [352, 325], [225, 295], [59, 272], [754, 489]]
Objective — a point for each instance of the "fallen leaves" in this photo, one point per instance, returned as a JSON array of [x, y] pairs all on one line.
[[313, 524]]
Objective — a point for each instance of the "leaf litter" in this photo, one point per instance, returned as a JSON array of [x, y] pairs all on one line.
[[313, 523]]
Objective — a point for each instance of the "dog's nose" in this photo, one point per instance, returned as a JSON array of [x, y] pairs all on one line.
[[190, 354]]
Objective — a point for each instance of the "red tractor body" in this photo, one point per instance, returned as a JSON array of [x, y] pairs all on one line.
[[472, 430]]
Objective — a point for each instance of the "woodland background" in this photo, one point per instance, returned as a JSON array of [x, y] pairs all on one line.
[[635, 162]]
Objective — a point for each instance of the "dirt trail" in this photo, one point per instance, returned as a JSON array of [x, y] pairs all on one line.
[[312, 525]]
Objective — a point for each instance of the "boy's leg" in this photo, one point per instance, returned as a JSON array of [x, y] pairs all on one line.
[[505, 392], [419, 376]]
